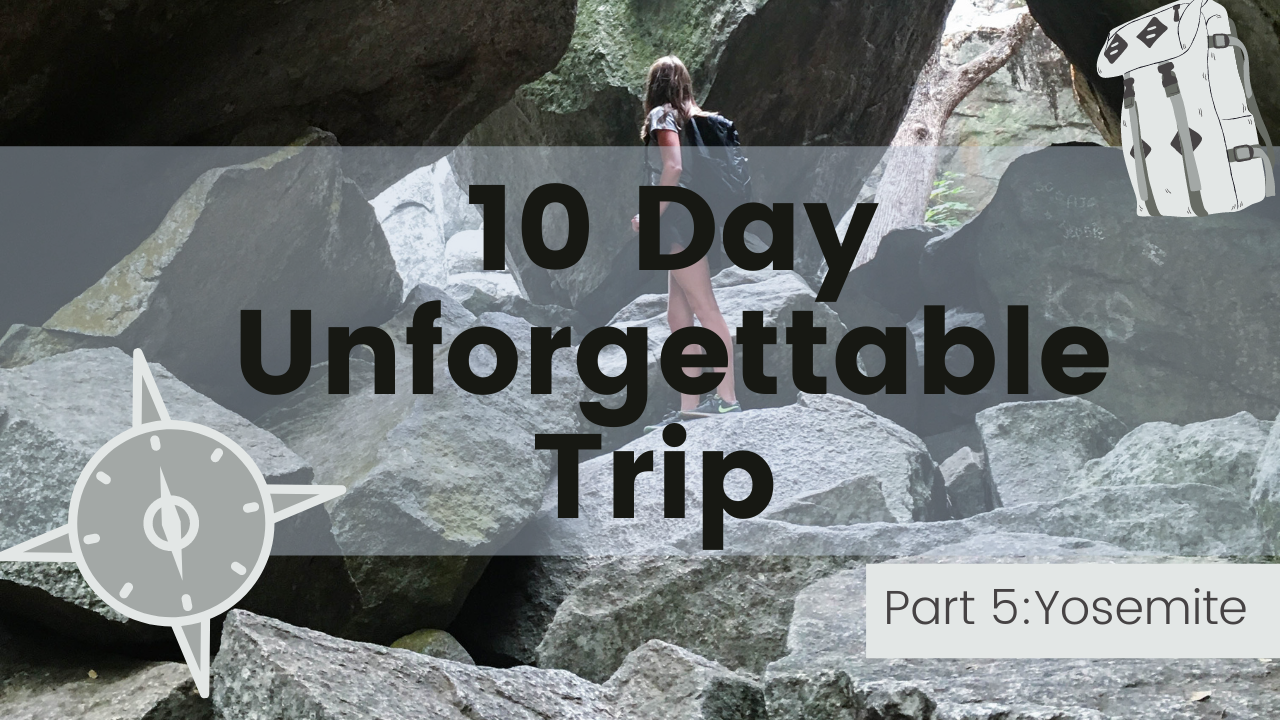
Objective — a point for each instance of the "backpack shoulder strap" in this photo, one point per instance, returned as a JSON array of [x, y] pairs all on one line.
[[1139, 151], [1191, 170], [644, 158], [697, 137]]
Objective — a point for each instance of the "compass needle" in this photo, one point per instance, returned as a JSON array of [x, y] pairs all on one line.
[[171, 523]]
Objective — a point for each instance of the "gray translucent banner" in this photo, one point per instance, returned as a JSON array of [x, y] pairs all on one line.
[[104, 250]]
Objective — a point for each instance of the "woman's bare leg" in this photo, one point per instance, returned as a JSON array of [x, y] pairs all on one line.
[[695, 285], [680, 315]]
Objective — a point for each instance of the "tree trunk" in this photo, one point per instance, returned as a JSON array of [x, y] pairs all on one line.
[[911, 161]]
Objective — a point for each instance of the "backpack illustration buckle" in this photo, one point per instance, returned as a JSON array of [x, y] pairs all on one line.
[[1220, 41], [1249, 153]]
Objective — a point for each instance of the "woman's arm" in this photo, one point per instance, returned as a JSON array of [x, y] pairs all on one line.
[[672, 167]]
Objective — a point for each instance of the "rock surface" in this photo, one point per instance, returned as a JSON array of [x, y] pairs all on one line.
[[833, 463], [509, 609], [731, 609], [180, 294], [936, 412], [447, 477], [969, 489], [1062, 237], [479, 291], [829, 615], [414, 236], [736, 609], [465, 252], [594, 95], [269, 669], [173, 73], [437, 644], [593, 98], [44, 678], [1032, 448], [420, 215], [1222, 453], [1266, 490], [945, 444], [54, 415], [1178, 520], [826, 674], [1026, 104], [24, 344], [660, 681], [434, 186], [120, 195], [1187, 520]]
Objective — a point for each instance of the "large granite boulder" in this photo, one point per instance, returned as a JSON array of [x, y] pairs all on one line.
[[737, 609], [731, 609], [1266, 490], [437, 644], [57, 413], [969, 487], [1026, 104], [508, 611], [226, 73], [751, 62], [49, 678], [1032, 448], [777, 294], [660, 681], [1081, 36], [1187, 520], [482, 292], [1223, 453], [420, 215], [833, 463], [1185, 306], [593, 97], [222, 249], [822, 619], [826, 674], [464, 252], [1190, 520], [269, 669], [435, 482], [24, 344]]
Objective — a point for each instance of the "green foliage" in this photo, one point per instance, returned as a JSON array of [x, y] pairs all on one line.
[[943, 211]]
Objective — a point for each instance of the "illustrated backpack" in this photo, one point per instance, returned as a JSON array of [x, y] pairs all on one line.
[[718, 170], [1190, 125]]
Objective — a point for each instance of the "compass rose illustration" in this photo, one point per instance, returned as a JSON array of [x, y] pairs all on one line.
[[171, 523]]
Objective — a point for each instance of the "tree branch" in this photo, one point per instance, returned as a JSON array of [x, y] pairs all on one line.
[[968, 76]]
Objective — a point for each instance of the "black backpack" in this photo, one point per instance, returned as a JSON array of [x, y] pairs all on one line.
[[718, 172]]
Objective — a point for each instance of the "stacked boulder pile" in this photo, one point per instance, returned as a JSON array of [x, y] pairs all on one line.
[[444, 584], [444, 578]]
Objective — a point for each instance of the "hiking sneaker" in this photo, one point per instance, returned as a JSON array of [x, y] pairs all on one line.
[[672, 417], [713, 406]]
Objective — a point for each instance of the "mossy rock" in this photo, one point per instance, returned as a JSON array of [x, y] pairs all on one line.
[[436, 643]]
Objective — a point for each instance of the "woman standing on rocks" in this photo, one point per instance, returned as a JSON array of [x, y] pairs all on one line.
[[670, 116]]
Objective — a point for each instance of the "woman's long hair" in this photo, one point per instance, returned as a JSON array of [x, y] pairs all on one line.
[[669, 82]]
